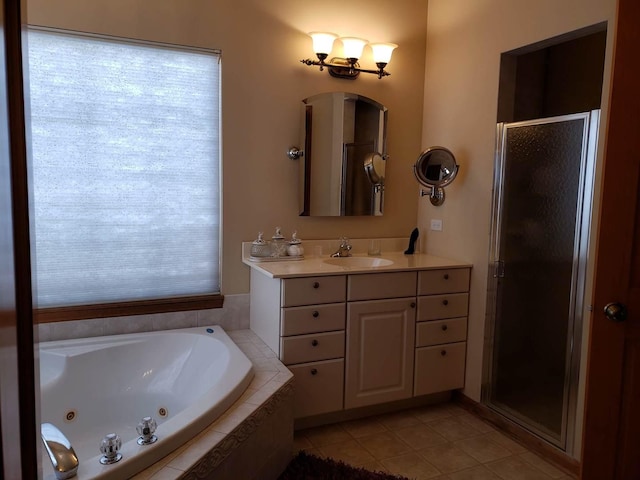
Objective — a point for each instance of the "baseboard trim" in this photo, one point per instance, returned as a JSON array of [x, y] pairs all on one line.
[[378, 409], [563, 461]]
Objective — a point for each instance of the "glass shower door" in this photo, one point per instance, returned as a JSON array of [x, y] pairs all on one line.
[[542, 201]]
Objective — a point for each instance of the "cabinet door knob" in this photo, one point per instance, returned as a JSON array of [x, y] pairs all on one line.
[[316, 285], [413, 305], [445, 302], [314, 371], [444, 328], [314, 343], [315, 314], [446, 276], [443, 353]]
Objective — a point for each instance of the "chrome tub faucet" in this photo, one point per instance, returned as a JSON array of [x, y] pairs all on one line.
[[63, 457], [344, 250]]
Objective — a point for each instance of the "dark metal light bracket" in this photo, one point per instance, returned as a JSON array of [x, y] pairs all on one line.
[[341, 68]]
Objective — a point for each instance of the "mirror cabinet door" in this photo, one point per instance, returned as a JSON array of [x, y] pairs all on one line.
[[341, 133]]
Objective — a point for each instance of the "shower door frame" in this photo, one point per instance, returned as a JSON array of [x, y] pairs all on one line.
[[578, 278]]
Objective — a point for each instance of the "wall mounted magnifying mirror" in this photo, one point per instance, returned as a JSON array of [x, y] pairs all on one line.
[[374, 166], [342, 164], [435, 168]]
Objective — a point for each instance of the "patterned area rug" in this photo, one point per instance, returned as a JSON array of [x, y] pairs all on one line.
[[310, 467]]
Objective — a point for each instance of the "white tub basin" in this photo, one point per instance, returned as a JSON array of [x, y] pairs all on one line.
[[359, 262], [184, 379]]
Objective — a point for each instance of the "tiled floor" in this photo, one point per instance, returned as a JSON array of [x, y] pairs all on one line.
[[442, 442]]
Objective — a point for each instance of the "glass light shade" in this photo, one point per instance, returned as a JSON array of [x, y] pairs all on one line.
[[382, 51], [322, 41], [353, 46]]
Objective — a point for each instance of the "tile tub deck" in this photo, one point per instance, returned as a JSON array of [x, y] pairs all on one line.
[[233, 446]]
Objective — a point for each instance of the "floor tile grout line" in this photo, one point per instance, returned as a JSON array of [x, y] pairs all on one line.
[[498, 474], [415, 414], [414, 452]]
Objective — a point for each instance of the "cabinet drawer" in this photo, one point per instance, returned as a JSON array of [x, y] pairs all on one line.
[[443, 306], [318, 387], [372, 286], [309, 348], [314, 318], [313, 290], [438, 369], [432, 282], [438, 332]]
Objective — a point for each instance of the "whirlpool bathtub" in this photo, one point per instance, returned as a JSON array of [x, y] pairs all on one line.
[[184, 379]]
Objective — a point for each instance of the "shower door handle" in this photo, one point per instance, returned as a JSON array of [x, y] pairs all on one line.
[[616, 311]]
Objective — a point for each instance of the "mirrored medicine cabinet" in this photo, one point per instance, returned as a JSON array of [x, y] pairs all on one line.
[[342, 164]]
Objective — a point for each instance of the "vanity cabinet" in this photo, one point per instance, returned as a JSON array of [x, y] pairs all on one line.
[[359, 339], [441, 330]]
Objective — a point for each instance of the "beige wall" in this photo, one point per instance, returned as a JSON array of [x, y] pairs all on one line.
[[464, 43], [262, 86]]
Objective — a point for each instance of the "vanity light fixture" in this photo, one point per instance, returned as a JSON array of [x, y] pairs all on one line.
[[348, 66]]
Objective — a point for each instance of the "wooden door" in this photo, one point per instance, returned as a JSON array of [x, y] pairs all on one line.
[[611, 443], [18, 455], [380, 351]]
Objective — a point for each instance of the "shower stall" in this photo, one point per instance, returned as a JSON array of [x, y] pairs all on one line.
[[543, 185]]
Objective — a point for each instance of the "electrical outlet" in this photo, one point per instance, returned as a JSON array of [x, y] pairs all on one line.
[[436, 224]]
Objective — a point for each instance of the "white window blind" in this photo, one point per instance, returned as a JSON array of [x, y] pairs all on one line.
[[125, 151]]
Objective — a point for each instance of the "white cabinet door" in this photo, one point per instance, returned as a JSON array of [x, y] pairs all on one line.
[[318, 387], [440, 368], [380, 351]]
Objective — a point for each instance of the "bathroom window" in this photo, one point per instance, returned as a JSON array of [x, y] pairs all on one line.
[[125, 158]]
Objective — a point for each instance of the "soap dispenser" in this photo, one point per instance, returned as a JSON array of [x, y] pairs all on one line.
[[278, 244], [260, 247], [295, 248]]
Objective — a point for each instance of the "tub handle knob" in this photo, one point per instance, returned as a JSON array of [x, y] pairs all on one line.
[[109, 447], [146, 429]]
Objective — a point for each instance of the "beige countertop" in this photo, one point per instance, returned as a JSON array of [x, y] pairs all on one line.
[[313, 265]]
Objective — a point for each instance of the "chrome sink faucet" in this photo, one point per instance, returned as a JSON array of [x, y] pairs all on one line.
[[63, 457], [344, 250]]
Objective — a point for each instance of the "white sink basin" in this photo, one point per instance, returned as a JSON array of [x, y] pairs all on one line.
[[358, 261]]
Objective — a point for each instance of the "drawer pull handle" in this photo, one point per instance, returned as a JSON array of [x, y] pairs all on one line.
[[316, 285], [314, 371], [443, 353], [445, 302], [446, 276], [315, 314], [413, 305], [444, 328], [314, 343]]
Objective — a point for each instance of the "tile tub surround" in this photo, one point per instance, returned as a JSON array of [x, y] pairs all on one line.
[[438, 442], [234, 315], [233, 447]]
